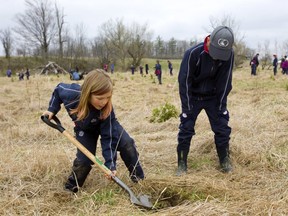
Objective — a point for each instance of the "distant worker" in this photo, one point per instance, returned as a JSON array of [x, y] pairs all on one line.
[[141, 70], [105, 67], [132, 68], [275, 64], [9, 73], [27, 73], [281, 64], [146, 68], [158, 72], [254, 64], [112, 66], [75, 75], [170, 67]]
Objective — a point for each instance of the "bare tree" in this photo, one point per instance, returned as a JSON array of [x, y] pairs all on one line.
[[239, 44], [159, 47], [266, 56], [101, 49], [81, 49], [37, 24], [171, 46], [6, 40], [138, 42], [60, 29], [116, 36]]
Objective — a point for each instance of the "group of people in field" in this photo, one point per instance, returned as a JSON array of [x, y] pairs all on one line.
[[254, 63], [204, 78], [20, 74]]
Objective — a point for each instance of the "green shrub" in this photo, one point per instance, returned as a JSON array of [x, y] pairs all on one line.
[[164, 113]]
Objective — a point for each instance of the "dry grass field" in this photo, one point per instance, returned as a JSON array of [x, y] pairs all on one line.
[[36, 159]]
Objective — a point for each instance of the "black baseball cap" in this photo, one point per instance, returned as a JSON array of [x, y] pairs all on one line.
[[221, 42]]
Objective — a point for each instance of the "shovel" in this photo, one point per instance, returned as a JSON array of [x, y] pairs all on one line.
[[141, 200]]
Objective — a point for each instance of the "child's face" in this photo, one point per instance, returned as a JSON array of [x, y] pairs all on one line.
[[99, 101]]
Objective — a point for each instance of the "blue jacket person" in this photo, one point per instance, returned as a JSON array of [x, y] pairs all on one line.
[[204, 83], [90, 108]]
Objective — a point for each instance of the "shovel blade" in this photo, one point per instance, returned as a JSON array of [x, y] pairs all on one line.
[[142, 200]]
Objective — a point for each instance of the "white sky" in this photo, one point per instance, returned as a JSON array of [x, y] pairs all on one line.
[[258, 20]]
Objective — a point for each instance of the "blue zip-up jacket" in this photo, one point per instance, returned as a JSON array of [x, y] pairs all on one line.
[[201, 76], [69, 95]]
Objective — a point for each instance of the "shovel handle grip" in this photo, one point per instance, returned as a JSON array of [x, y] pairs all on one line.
[[57, 126]]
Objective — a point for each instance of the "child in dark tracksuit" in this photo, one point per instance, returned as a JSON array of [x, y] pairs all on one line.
[[158, 72], [90, 107], [204, 83]]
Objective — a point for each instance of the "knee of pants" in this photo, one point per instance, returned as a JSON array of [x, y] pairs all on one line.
[[83, 159], [186, 131], [128, 149], [222, 135]]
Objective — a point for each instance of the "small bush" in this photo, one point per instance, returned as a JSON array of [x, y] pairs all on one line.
[[164, 113]]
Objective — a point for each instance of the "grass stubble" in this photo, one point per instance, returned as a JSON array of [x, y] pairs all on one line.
[[36, 159]]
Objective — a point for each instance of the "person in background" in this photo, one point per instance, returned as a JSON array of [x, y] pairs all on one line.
[[75, 75], [9, 72], [90, 108], [141, 70], [132, 68], [112, 66], [275, 64], [170, 67], [281, 64], [205, 80], [21, 75], [285, 66], [27, 73], [146, 68], [105, 67], [254, 64], [158, 72]]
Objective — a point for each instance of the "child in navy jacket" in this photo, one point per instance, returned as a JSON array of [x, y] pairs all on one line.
[[90, 107]]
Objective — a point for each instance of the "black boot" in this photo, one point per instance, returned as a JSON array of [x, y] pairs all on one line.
[[182, 163], [78, 176], [224, 159]]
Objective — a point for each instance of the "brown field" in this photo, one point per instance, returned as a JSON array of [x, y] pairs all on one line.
[[36, 159]]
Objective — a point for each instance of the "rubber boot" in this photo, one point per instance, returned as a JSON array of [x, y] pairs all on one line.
[[78, 176], [224, 159], [182, 163]]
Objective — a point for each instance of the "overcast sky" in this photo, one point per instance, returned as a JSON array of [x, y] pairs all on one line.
[[258, 20]]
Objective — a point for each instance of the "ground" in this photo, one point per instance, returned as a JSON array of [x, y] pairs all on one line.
[[36, 159]]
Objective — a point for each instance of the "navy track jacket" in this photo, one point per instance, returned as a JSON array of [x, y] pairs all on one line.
[[201, 76], [69, 95]]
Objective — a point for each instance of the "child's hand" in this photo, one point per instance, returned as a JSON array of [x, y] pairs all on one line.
[[113, 173], [49, 114]]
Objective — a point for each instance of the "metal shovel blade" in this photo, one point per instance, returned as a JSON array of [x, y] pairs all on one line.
[[142, 200]]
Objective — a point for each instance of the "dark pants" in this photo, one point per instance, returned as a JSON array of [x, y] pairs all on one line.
[[171, 71], [126, 147], [253, 69], [159, 76], [275, 70], [218, 122]]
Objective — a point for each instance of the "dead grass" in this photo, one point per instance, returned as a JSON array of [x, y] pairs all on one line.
[[35, 159]]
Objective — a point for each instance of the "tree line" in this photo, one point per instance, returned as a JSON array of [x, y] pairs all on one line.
[[41, 30]]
